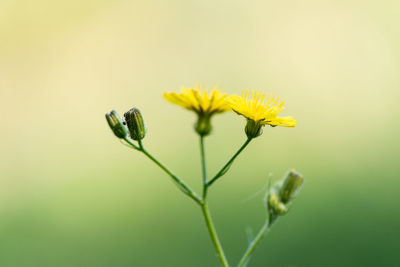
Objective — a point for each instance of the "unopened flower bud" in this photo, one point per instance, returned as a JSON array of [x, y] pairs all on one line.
[[135, 123], [203, 125], [116, 124], [291, 186], [276, 205], [253, 129]]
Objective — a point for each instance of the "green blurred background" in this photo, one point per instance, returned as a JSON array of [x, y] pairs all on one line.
[[72, 195]]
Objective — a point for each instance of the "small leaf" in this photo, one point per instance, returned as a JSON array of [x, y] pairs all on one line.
[[225, 169]]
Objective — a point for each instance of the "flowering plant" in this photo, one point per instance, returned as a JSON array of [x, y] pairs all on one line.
[[259, 111]]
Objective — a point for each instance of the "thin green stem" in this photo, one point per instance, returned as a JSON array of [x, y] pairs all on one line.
[[186, 188], [204, 167], [224, 169], [206, 212], [252, 246], [180, 183], [132, 144], [140, 144], [214, 236]]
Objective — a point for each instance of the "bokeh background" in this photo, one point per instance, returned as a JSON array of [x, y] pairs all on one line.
[[72, 195]]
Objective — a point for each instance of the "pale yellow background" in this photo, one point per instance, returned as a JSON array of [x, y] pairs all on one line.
[[72, 195]]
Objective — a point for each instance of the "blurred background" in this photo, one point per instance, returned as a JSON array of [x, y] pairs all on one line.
[[72, 195]]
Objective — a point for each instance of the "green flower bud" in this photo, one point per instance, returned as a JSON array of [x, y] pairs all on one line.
[[253, 129], [116, 124], [291, 186], [276, 205], [135, 123], [203, 125]]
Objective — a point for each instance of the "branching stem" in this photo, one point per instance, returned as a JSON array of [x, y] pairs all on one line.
[[202, 202], [180, 183]]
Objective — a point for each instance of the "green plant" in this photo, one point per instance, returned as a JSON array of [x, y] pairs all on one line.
[[258, 110]]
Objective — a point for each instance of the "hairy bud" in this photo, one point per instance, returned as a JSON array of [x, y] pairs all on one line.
[[276, 205], [135, 123], [116, 124], [291, 186]]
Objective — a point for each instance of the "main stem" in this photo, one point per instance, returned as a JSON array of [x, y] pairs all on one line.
[[213, 235], [253, 245], [206, 211]]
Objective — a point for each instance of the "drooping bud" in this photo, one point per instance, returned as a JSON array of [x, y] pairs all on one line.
[[276, 205], [135, 123], [291, 186], [203, 125], [116, 124], [253, 129]]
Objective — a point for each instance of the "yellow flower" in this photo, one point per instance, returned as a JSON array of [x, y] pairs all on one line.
[[199, 101], [259, 111], [203, 103]]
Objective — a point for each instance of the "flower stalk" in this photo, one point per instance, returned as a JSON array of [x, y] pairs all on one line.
[[203, 167], [260, 235], [227, 165], [178, 181]]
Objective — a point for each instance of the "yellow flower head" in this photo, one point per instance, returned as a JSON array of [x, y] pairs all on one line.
[[255, 106], [203, 103], [259, 111], [199, 101]]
